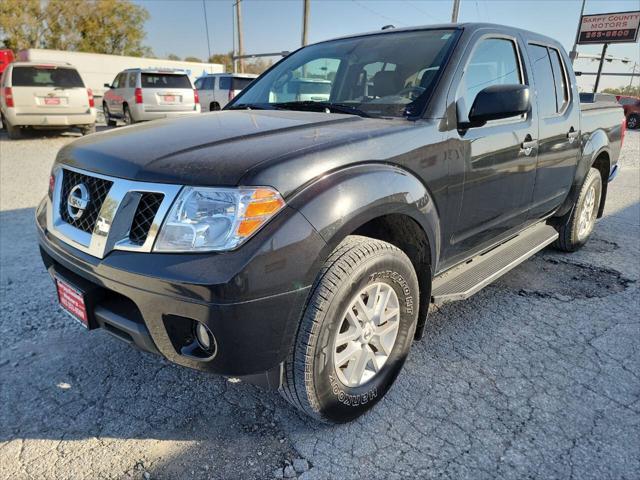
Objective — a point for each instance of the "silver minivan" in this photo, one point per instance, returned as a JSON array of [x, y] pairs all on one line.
[[138, 94], [217, 89]]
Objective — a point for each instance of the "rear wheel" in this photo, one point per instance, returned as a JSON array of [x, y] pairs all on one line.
[[88, 129], [575, 227], [214, 107], [13, 132], [633, 121], [128, 118], [111, 122], [355, 333]]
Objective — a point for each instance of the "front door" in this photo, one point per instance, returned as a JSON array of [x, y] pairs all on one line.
[[500, 157]]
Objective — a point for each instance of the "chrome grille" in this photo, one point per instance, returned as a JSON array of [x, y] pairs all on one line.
[[98, 190], [143, 218], [121, 214]]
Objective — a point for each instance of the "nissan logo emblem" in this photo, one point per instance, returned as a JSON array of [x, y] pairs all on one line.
[[77, 201]]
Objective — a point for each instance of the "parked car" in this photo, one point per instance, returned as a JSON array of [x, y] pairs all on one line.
[[302, 90], [138, 94], [45, 96], [299, 244], [218, 89], [631, 106], [6, 57]]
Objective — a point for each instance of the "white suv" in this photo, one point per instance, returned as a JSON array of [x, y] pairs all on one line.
[[43, 96], [216, 90], [146, 94]]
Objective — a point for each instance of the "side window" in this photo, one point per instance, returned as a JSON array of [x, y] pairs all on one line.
[[562, 90], [208, 83], [132, 80], [545, 82], [494, 62], [225, 83], [116, 81]]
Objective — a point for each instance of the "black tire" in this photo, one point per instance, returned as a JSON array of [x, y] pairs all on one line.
[[111, 122], [88, 129], [570, 239], [214, 107], [128, 118], [633, 122], [13, 132], [310, 381]]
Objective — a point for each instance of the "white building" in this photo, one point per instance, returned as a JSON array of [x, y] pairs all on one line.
[[96, 69]]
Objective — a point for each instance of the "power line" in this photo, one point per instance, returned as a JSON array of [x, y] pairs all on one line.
[[206, 26], [367, 7], [424, 12]]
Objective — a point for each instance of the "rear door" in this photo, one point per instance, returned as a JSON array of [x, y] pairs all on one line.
[[559, 128], [114, 97], [166, 92], [48, 89]]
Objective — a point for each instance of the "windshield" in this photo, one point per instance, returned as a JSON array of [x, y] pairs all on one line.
[[46, 76], [390, 74]]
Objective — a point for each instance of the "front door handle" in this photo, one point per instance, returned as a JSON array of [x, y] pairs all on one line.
[[528, 145]]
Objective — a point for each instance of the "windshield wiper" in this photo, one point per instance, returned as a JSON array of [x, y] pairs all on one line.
[[310, 105], [252, 106]]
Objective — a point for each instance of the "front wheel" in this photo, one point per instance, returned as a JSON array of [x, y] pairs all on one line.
[[355, 333], [575, 227]]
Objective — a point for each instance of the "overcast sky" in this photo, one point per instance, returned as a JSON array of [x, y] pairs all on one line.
[[178, 26]]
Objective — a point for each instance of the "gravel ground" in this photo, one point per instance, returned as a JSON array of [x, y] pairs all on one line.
[[534, 377]]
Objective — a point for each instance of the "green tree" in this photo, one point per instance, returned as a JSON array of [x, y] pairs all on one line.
[[192, 59], [22, 24], [629, 90], [98, 26], [173, 56], [226, 59]]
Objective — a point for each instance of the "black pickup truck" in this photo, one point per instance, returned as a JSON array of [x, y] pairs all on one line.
[[297, 238]]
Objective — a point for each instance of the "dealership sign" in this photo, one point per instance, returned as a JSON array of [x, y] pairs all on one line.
[[621, 27]]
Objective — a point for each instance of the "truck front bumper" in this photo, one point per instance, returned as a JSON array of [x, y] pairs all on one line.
[[250, 299]]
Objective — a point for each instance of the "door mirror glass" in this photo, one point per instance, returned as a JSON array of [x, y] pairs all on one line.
[[497, 102], [107, 85]]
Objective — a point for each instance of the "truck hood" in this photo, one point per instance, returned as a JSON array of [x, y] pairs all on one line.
[[217, 148]]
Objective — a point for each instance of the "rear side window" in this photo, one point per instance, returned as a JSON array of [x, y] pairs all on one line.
[[208, 83], [225, 83], [494, 62], [164, 80], [560, 80], [132, 80], [46, 77], [545, 82], [240, 83]]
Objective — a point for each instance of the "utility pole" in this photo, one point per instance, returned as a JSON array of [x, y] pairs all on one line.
[[206, 26], [604, 51], [305, 21], [574, 51], [239, 21], [454, 12]]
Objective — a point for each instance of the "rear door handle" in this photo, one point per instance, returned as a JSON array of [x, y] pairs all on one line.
[[528, 146], [572, 135]]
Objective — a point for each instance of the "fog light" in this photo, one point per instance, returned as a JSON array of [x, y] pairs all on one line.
[[205, 338]]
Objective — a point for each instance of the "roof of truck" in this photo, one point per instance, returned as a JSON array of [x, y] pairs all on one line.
[[470, 26]]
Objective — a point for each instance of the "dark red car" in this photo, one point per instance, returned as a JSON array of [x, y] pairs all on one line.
[[631, 107]]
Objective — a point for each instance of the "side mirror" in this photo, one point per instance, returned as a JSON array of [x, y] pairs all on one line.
[[107, 85], [499, 101]]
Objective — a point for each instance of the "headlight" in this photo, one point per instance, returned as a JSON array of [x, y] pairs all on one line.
[[207, 219]]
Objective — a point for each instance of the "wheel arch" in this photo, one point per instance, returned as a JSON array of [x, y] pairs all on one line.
[[379, 201]]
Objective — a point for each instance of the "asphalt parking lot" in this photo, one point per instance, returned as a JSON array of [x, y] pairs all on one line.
[[537, 376]]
